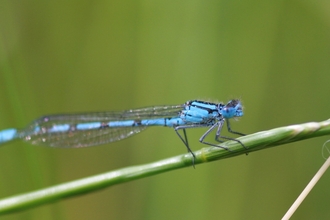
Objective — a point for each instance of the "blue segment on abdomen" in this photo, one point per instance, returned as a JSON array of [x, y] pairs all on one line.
[[85, 126], [121, 123], [168, 122], [59, 128]]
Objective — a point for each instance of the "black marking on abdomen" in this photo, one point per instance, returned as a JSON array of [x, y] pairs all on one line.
[[137, 123], [73, 127], [104, 125]]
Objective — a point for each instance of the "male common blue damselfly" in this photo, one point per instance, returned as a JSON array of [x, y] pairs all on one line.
[[89, 129]]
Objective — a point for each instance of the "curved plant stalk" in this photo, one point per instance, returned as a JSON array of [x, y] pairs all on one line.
[[254, 142]]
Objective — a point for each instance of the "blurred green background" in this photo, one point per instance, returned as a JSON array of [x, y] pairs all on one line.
[[82, 56]]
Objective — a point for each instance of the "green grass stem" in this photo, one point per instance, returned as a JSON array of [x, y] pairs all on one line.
[[254, 142]]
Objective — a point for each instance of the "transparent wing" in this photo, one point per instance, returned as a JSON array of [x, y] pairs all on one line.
[[61, 130]]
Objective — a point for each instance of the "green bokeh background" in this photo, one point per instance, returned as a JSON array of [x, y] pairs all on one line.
[[82, 56]]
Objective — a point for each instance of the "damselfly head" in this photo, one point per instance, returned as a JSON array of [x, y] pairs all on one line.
[[232, 109]]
